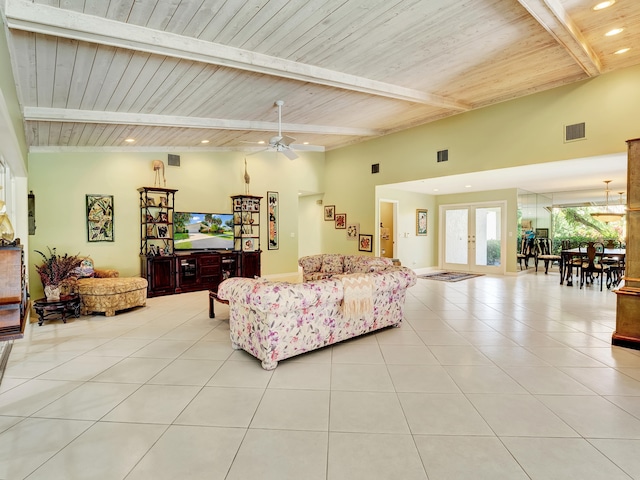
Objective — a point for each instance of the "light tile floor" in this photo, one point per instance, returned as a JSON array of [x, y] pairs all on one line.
[[489, 378]]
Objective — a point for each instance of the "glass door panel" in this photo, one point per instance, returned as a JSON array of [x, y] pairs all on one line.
[[488, 237], [473, 239], [456, 251]]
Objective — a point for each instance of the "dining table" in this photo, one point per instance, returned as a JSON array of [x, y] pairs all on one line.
[[566, 256]]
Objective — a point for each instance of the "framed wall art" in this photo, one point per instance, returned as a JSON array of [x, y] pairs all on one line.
[[329, 212], [542, 232], [99, 218], [341, 220], [273, 212], [421, 222], [353, 230], [365, 243]]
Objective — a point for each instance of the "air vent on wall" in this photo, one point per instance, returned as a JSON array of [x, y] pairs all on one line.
[[375, 168], [174, 160], [443, 156], [574, 132]]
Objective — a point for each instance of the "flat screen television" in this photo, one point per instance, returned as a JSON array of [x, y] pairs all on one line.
[[202, 231]]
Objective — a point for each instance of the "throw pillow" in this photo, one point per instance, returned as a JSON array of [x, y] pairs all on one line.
[[85, 270]]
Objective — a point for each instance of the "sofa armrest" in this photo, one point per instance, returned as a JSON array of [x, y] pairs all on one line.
[[105, 273], [279, 297], [393, 278]]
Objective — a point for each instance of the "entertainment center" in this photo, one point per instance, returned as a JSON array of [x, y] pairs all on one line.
[[171, 267]]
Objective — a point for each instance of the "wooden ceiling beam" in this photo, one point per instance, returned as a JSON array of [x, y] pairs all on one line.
[[47, 20], [43, 114], [555, 20]]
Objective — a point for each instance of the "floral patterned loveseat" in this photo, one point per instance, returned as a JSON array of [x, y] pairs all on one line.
[[321, 266], [277, 320]]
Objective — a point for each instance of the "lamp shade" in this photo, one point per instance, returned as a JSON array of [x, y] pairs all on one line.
[[607, 216]]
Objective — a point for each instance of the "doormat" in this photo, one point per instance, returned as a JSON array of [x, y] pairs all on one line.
[[450, 276]]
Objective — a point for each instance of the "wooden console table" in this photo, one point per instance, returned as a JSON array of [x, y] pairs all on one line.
[[67, 306]]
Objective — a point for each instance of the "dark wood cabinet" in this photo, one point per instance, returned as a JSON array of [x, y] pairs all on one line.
[[160, 273], [169, 272], [198, 271], [195, 271], [250, 264], [13, 291]]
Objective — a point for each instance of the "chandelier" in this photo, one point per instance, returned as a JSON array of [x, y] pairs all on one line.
[[607, 216]]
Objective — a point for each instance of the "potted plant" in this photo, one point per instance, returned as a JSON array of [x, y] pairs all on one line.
[[56, 271]]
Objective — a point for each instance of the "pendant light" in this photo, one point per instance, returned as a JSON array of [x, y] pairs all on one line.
[[606, 216]]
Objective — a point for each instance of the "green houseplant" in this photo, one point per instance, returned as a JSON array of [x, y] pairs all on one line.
[[56, 271]]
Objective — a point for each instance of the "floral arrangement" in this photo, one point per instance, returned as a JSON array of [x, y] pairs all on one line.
[[57, 269]]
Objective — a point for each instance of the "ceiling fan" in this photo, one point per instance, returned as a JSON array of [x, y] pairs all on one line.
[[284, 143]]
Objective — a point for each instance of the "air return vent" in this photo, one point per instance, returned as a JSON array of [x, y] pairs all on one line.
[[443, 156], [574, 132], [375, 168], [174, 160]]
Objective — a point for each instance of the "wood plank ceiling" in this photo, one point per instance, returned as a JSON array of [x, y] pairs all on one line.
[[171, 73]]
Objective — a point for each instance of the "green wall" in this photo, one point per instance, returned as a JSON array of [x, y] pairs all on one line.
[[519, 132], [413, 251], [524, 131], [205, 181]]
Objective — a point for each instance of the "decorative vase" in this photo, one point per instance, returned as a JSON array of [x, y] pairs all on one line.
[[52, 292]]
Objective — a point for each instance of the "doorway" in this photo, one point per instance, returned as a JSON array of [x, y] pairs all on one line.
[[387, 214], [472, 238]]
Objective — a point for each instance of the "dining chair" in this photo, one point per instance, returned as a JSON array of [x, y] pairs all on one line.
[[545, 246], [527, 250], [574, 261], [592, 265]]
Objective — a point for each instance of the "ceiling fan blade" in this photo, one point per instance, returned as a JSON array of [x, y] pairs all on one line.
[[286, 140], [310, 148], [290, 154]]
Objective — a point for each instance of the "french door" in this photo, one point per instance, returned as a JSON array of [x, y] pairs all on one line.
[[472, 238]]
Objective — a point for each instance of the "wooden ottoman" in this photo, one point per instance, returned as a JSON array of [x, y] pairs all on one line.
[[109, 295]]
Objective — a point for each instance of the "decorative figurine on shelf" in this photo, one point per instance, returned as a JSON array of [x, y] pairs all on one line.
[[157, 166]]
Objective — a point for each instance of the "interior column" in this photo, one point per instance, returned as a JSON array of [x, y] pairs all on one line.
[[627, 333]]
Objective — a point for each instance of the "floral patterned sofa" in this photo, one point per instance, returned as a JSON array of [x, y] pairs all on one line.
[[321, 266], [277, 320]]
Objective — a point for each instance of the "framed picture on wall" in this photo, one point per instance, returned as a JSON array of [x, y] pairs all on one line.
[[421, 222], [365, 243], [99, 218], [329, 212], [353, 230], [273, 210], [341, 220]]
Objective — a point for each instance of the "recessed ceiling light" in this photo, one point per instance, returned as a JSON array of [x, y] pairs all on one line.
[[621, 51], [467, 186], [601, 5], [305, 143], [129, 140], [204, 141], [436, 189], [613, 32], [261, 142]]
